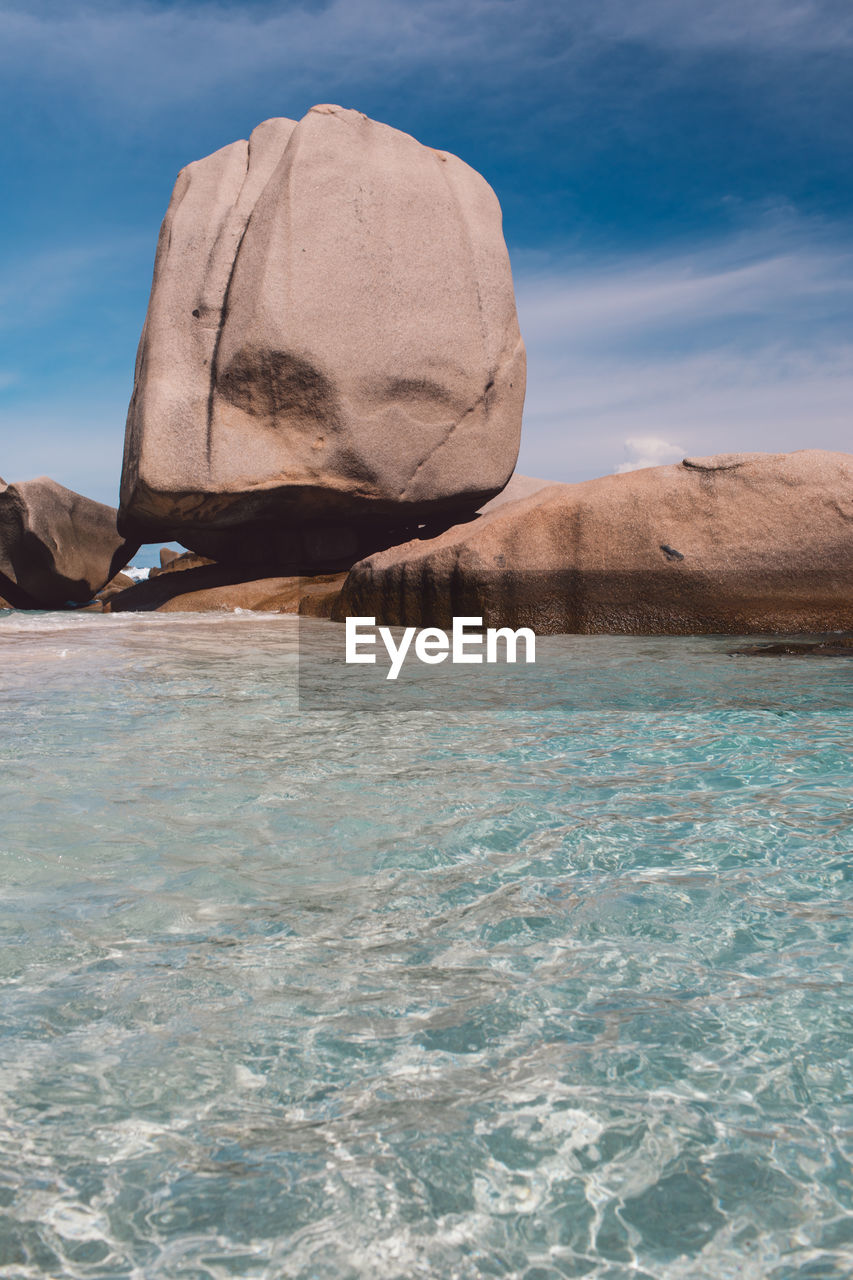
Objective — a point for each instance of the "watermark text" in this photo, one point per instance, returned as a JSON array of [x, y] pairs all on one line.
[[468, 642]]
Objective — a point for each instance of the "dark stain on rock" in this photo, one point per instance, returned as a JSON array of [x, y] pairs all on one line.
[[670, 552], [279, 386]]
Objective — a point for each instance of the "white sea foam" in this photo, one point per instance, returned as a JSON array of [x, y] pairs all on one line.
[[100, 625]]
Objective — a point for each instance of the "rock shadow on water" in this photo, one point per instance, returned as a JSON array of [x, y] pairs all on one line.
[[828, 647]]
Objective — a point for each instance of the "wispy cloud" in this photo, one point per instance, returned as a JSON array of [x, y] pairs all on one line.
[[741, 346], [151, 55], [148, 55], [725, 24], [40, 286], [774, 273]]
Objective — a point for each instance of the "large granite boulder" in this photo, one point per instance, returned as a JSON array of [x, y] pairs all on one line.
[[56, 547], [734, 544], [331, 347]]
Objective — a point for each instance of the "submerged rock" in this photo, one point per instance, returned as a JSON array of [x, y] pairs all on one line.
[[56, 547], [754, 542], [831, 647], [331, 346]]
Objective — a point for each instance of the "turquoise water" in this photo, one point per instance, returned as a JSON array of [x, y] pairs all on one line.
[[539, 987]]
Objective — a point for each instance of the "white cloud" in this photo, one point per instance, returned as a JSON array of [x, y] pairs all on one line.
[[739, 347], [649, 451]]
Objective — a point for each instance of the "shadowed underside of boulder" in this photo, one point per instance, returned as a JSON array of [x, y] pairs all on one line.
[[56, 547], [331, 342], [737, 544]]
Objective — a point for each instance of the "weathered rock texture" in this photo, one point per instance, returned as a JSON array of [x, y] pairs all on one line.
[[331, 343], [56, 547], [734, 544]]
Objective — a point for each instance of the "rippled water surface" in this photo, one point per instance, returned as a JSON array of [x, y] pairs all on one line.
[[549, 985]]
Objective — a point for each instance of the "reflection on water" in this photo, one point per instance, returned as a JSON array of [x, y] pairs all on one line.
[[534, 987]]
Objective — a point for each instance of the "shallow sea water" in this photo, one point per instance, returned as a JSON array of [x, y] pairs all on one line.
[[550, 984]]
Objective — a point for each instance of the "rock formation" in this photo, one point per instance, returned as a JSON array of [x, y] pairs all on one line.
[[734, 544], [232, 585], [176, 562], [121, 582], [331, 347], [206, 587], [56, 546]]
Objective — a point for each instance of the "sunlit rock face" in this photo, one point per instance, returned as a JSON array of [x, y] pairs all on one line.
[[735, 544], [331, 344]]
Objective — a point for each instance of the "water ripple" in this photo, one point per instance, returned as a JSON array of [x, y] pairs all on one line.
[[526, 991]]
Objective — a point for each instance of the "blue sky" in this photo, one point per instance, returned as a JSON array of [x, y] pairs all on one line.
[[676, 178]]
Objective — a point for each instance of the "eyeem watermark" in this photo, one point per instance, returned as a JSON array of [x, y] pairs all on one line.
[[432, 645]]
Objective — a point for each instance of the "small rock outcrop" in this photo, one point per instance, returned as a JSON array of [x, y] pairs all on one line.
[[331, 347], [829, 647], [736, 544], [56, 547], [207, 587], [177, 562], [115, 586]]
